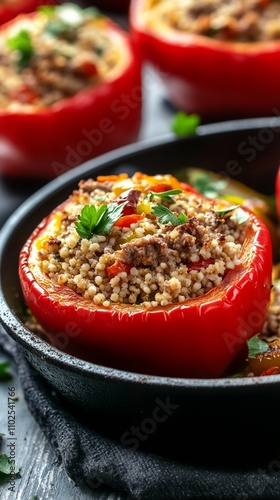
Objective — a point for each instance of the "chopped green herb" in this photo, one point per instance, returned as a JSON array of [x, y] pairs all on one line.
[[48, 10], [5, 468], [99, 50], [97, 220], [241, 216], [165, 215], [226, 211], [164, 194], [112, 214], [56, 27], [184, 125], [4, 373], [207, 186], [256, 346], [22, 43]]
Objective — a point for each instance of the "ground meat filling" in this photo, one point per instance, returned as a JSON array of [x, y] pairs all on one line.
[[47, 58], [148, 261], [228, 20]]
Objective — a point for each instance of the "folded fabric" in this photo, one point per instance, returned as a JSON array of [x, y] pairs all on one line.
[[94, 459]]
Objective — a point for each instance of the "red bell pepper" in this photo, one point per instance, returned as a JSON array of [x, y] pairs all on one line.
[[199, 337], [216, 79], [47, 141], [11, 8], [116, 268], [127, 220]]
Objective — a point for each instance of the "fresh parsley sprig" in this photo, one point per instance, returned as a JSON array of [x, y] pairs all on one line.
[[211, 188], [22, 43], [165, 216], [240, 215], [226, 211], [94, 220], [256, 346], [167, 195]]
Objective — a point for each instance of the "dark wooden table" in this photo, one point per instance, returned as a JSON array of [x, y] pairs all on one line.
[[41, 476]]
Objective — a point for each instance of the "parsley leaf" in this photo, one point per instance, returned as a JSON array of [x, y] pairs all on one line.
[[256, 346], [94, 220], [241, 216], [5, 468], [183, 124], [22, 43], [165, 215], [4, 374], [207, 186], [164, 194], [112, 214], [226, 211]]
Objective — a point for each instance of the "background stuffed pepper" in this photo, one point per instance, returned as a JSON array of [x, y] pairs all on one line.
[[219, 60], [11, 8], [71, 90]]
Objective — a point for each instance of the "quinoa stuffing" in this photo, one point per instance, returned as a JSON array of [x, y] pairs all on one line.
[[227, 20], [55, 54], [144, 241]]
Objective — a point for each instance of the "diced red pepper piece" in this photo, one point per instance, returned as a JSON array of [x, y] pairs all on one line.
[[274, 370], [23, 94], [202, 263], [87, 68], [160, 188], [127, 220], [118, 267]]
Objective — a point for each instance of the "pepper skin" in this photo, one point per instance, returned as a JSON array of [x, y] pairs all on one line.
[[46, 142], [11, 9], [216, 79], [198, 338]]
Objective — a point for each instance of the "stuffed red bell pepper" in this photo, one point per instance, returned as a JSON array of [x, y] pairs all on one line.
[[217, 58], [145, 274], [70, 90], [11, 8]]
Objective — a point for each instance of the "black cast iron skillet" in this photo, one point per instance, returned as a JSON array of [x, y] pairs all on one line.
[[224, 420]]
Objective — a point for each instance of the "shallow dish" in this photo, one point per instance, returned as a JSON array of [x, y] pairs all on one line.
[[177, 415]]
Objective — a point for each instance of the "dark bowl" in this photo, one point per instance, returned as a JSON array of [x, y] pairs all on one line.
[[203, 419]]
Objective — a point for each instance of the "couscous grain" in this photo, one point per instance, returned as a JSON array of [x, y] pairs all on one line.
[[155, 263]]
